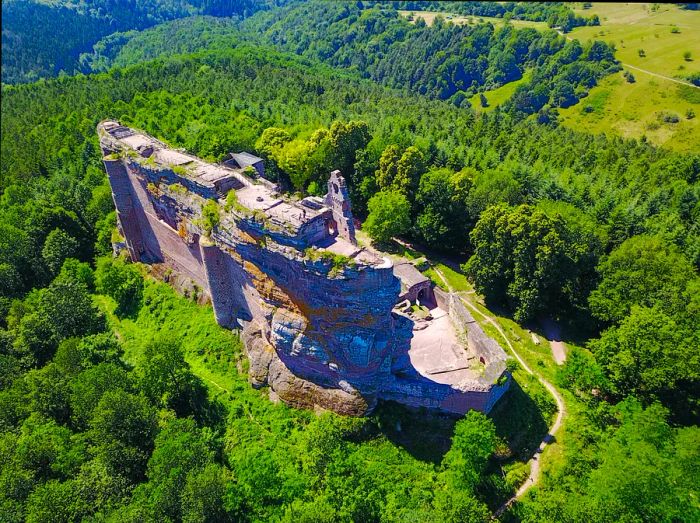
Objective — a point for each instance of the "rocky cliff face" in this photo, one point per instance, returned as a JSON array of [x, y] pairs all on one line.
[[319, 331]]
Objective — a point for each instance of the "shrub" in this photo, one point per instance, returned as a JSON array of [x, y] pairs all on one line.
[[668, 117], [122, 282], [210, 216], [233, 203]]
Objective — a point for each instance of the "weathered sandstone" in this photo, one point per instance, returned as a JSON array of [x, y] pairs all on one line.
[[316, 312]]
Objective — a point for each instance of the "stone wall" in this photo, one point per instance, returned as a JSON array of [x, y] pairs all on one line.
[[338, 199], [489, 352], [442, 298]]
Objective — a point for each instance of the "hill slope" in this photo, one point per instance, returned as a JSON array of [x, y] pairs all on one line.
[[651, 41], [44, 39]]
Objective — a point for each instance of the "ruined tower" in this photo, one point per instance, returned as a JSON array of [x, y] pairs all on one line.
[[338, 200]]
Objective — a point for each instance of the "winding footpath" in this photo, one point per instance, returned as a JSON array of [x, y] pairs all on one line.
[[660, 76], [561, 407]]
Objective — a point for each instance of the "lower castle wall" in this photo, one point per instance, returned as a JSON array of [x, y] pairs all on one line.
[[483, 346], [442, 298], [161, 242], [440, 397]]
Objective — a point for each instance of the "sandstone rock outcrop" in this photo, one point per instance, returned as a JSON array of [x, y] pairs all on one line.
[[316, 312]]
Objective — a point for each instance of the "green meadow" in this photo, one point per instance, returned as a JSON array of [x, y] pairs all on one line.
[[651, 41], [430, 16], [497, 96]]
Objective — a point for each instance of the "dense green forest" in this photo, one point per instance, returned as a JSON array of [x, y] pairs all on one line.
[[444, 61], [42, 39], [120, 401]]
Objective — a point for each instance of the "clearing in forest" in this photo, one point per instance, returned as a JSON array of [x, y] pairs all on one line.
[[430, 16], [652, 42]]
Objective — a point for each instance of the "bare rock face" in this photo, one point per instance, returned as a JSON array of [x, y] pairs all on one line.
[[266, 368], [260, 354], [304, 394]]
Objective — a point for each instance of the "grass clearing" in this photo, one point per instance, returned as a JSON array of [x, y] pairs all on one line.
[[647, 27], [497, 96], [643, 37], [214, 354], [539, 358], [636, 110], [430, 16]]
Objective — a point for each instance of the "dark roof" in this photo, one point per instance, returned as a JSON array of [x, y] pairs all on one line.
[[245, 159], [409, 275]]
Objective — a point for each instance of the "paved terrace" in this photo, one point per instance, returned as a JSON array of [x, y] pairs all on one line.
[[439, 354]]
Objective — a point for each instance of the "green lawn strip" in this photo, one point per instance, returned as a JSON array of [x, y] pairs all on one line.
[[213, 353], [497, 96], [457, 280]]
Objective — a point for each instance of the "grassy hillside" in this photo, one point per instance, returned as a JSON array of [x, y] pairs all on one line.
[[664, 33], [41, 39], [644, 108], [496, 97], [659, 104], [647, 107]]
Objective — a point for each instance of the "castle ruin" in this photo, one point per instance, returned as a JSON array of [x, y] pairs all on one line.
[[325, 322]]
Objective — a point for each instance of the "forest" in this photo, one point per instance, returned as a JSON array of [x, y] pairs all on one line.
[[122, 401], [42, 39], [445, 61]]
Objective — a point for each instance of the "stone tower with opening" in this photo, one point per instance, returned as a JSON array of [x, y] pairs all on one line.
[[338, 200]]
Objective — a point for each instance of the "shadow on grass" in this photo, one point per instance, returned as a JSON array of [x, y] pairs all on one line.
[[412, 249], [519, 423], [424, 435], [521, 426]]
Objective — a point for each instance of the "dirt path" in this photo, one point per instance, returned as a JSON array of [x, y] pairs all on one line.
[[561, 407], [549, 438], [660, 75], [552, 332]]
